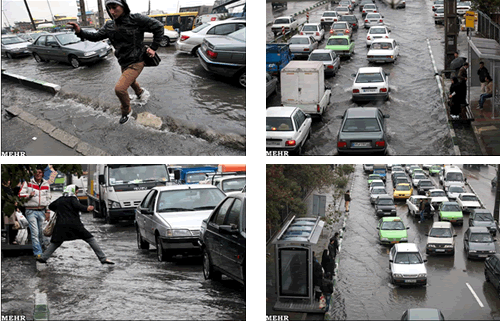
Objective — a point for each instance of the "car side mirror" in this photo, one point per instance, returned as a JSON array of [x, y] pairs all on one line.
[[177, 174], [426, 234], [101, 179], [340, 116], [145, 211], [308, 116], [407, 227], [230, 229], [454, 235], [354, 75], [391, 261], [387, 73], [425, 260]]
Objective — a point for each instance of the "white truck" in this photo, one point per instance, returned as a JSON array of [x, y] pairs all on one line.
[[303, 86], [116, 190]]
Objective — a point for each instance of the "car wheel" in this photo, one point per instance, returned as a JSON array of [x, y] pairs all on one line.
[[9, 55], [107, 217], [165, 42], [486, 276], [194, 52], [37, 58], [140, 242], [161, 254], [73, 60], [208, 269], [242, 78]]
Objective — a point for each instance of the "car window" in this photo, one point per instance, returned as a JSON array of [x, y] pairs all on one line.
[[440, 232], [51, 41], [222, 29], [381, 45], [281, 21], [450, 208], [401, 187], [41, 41], [369, 77], [337, 42], [310, 28], [385, 202], [67, 39], [297, 121], [392, 226], [408, 258], [377, 31], [192, 199], [469, 198], [481, 238], [147, 199], [456, 189], [361, 125], [330, 14], [340, 25], [219, 217], [483, 217], [11, 40], [316, 56], [234, 214], [438, 194], [152, 201], [301, 115], [280, 124], [299, 41]]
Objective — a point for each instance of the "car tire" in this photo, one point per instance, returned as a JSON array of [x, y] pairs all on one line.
[[9, 55], [161, 254], [486, 276], [241, 77], [208, 270], [74, 61], [107, 217], [194, 52], [37, 58], [141, 244], [165, 42]]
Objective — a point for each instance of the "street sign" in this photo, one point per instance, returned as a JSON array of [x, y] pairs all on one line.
[[469, 19]]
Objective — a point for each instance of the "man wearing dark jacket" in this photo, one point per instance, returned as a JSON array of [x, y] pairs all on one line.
[[126, 33], [482, 72]]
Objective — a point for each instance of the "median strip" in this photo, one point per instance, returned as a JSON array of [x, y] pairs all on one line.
[[475, 295]]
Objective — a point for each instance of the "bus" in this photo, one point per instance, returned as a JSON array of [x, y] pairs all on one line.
[[233, 8], [168, 19]]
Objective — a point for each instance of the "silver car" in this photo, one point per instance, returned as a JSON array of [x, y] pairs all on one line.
[[302, 45], [13, 46], [170, 217], [330, 60], [67, 47]]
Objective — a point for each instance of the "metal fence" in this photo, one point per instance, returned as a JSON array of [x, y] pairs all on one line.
[[487, 27]]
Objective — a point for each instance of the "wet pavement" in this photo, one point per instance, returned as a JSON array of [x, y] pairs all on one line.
[[364, 288], [138, 287], [418, 122], [189, 100]]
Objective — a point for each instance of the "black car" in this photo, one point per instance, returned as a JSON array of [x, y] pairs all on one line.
[[424, 185], [483, 217], [492, 271], [494, 182], [384, 206], [399, 180], [223, 240], [398, 174], [351, 19]]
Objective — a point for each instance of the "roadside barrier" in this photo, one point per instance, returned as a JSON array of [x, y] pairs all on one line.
[[34, 83]]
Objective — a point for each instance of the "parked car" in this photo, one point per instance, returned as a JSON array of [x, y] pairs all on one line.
[[225, 55], [383, 50], [468, 201], [424, 185], [289, 22], [414, 203], [407, 265], [330, 60], [287, 129], [169, 36], [341, 28], [190, 41], [343, 46], [352, 20], [454, 191], [170, 218], [391, 230], [370, 83], [362, 131], [376, 33], [328, 18], [222, 240], [302, 45], [384, 206], [492, 271], [14, 46], [373, 19], [441, 239], [67, 47], [422, 314], [450, 211], [271, 85], [483, 217], [376, 192], [313, 29], [478, 242]]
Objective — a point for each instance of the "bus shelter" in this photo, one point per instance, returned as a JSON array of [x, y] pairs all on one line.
[[294, 265]]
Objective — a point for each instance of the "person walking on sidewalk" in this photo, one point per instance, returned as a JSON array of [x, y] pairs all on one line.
[[332, 248], [482, 73], [487, 94], [347, 199], [126, 30], [327, 289], [68, 225], [462, 72], [317, 277], [37, 193], [326, 262]]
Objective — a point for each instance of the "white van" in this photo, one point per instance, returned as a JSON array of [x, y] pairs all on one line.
[[451, 175]]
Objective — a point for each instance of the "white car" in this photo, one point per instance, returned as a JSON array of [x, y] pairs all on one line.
[[288, 22], [370, 83], [346, 3], [329, 17], [287, 129], [313, 29], [383, 50], [468, 201], [169, 37], [374, 19], [330, 60], [407, 265], [439, 16], [377, 183], [441, 239], [437, 196], [454, 191], [376, 192], [343, 11], [437, 4], [413, 204], [376, 33], [190, 41], [427, 166], [369, 8], [463, 7], [416, 178]]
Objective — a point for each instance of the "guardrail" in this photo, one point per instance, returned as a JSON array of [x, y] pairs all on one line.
[[487, 27]]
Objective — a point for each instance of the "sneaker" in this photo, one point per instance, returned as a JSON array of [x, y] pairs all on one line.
[[39, 259], [125, 118], [479, 107], [107, 262], [144, 96]]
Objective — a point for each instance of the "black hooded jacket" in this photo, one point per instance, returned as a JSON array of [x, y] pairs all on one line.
[[127, 35]]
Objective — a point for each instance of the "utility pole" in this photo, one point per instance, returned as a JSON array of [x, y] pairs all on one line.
[[29, 14], [8, 23], [51, 15], [149, 7], [450, 31], [496, 209], [101, 13], [83, 12]]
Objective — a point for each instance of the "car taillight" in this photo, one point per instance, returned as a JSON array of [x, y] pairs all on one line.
[[347, 31], [317, 108], [355, 91], [374, 11], [383, 90], [366, 20], [380, 143], [433, 7], [331, 31], [212, 54], [322, 19], [329, 66], [387, 36], [368, 38], [290, 143], [389, 57], [341, 144], [301, 33], [317, 33], [335, 19], [306, 49], [381, 20], [184, 38], [354, 24], [435, 15]]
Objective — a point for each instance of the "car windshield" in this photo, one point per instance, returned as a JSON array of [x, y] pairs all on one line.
[[438, 2], [136, 174], [373, 16], [450, 208], [337, 42], [381, 46], [425, 183], [342, 9], [403, 187], [310, 28], [456, 177], [234, 184], [339, 25], [481, 238], [279, 124], [436, 168], [419, 176], [463, 4], [11, 40], [484, 217], [370, 6], [189, 199], [402, 180], [373, 176], [348, 18], [385, 201], [377, 31], [299, 41], [316, 56], [280, 21], [456, 189], [394, 225], [68, 38], [469, 198], [369, 77], [361, 125], [379, 191], [201, 27], [438, 194], [440, 232], [440, 10], [408, 258], [329, 14]]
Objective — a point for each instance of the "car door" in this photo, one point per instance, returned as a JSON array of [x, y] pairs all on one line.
[[140, 217], [39, 47], [313, 44], [213, 237], [151, 220], [495, 272], [466, 239], [233, 245], [53, 49], [300, 136], [336, 60]]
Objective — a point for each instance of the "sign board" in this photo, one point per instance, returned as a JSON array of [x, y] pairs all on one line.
[[469, 19]]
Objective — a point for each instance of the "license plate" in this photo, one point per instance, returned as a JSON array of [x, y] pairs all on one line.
[[453, 221], [359, 144], [369, 90], [340, 34], [273, 143], [394, 242], [410, 281], [482, 255], [439, 250]]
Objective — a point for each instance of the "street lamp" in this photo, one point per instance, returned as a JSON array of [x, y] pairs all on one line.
[[51, 15]]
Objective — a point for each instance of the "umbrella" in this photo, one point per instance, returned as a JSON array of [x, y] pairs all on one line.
[[49, 174], [457, 63]]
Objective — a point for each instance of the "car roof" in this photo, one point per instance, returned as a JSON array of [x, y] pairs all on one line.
[[383, 40], [406, 247], [384, 197], [338, 36], [403, 184], [436, 190], [280, 111], [369, 69], [441, 224], [479, 229], [418, 196], [450, 203], [283, 17], [184, 187], [480, 210], [322, 51], [467, 194], [391, 219], [362, 112], [312, 23], [300, 36]]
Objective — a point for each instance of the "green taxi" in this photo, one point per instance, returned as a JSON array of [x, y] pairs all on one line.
[[435, 169], [373, 177], [343, 46], [450, 212], [392, 230]]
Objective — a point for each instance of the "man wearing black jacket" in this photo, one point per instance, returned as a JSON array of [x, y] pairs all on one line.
[[482, 72], [126, 33]]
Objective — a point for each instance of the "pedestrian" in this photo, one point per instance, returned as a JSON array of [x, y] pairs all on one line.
[[462, 72], [11, 223], [422, 210], [327, 289], [177, 26], [427, 208], [456, 97], [347, 199], [482, 72], [37, 193], [317, 277], [456, 63], [326, 262], [487, 94], [68, 225], [332, 248], [126, 33]]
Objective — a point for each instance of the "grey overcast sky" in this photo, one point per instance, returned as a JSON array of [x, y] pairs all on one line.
[[15, 10]]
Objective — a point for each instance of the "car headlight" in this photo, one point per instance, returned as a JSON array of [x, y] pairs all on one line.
[[113, 204], [431, 245], [493, 252], [472, 251], [398, 275], [16, 49], [179, 233], [404, 239], [379, 211], [393, 211], [90, 53], [384, 239], [422, 275], [448, 246]]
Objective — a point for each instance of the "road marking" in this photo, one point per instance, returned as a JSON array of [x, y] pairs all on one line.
[[475, 295]]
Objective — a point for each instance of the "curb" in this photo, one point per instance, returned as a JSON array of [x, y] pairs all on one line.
[[34, 83], [472, 189], [41, 311], [58, 134], [479, 139], [436, 75]]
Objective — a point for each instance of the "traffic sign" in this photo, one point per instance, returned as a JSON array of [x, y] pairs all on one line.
[[469, 19]]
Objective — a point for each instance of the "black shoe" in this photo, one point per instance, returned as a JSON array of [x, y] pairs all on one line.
[[39, 259], [107, 262], [125, 118]]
